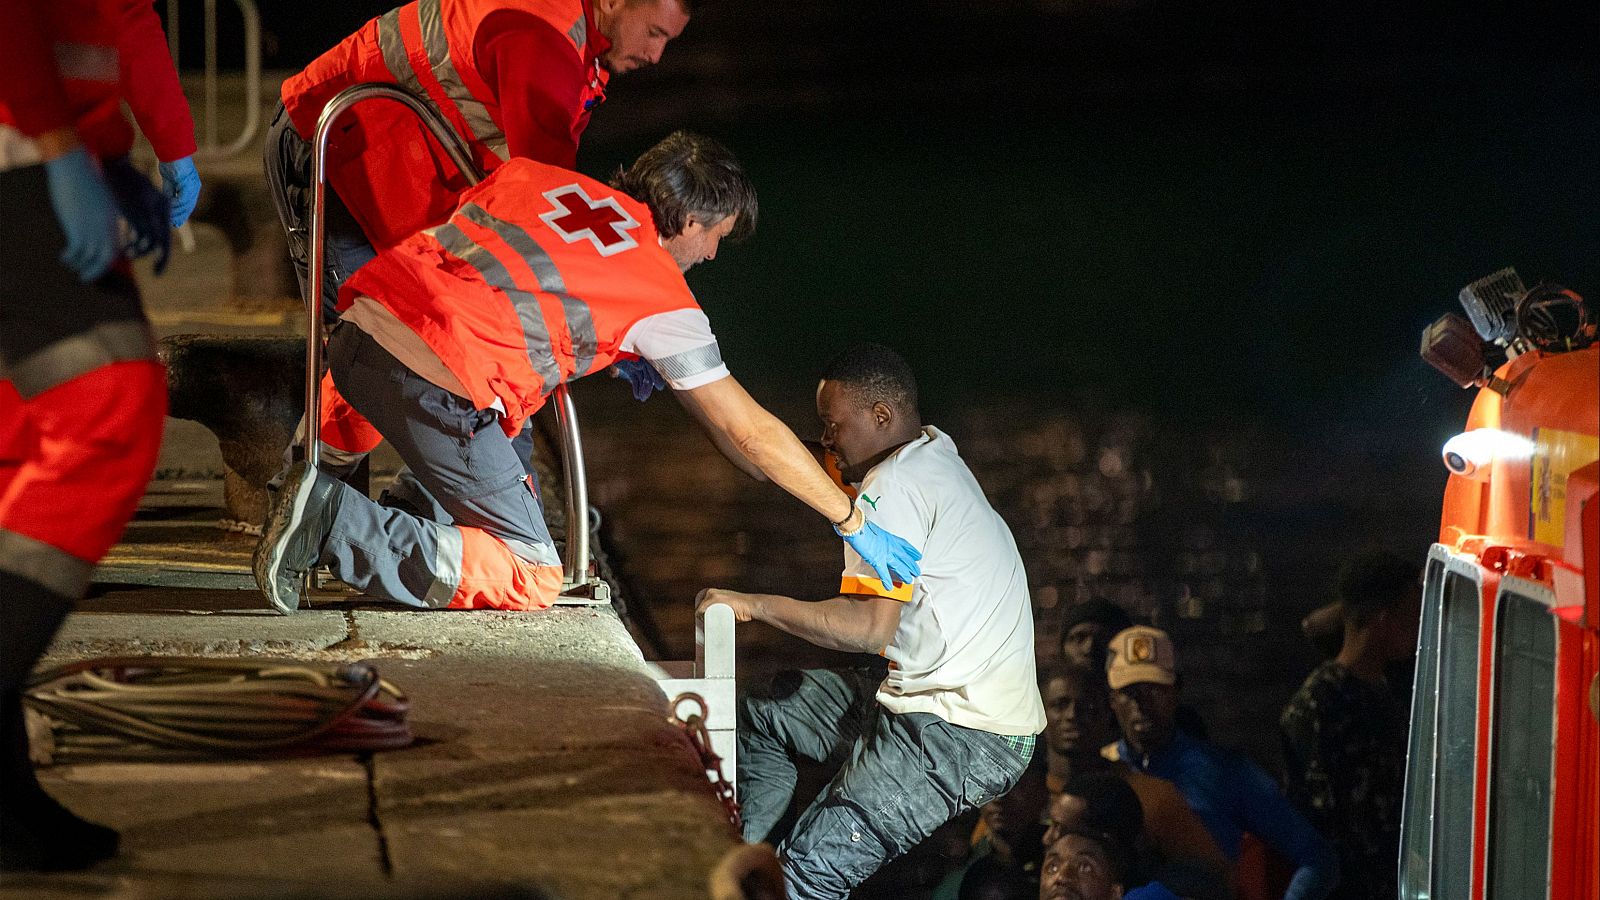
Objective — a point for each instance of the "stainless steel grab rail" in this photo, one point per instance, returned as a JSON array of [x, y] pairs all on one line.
[[575, 478]]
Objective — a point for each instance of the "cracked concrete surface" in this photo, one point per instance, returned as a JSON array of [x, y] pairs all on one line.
[[543, 766]]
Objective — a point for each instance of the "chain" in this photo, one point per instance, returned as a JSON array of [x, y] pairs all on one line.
[[694, 727]]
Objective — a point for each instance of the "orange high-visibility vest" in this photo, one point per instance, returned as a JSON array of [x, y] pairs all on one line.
[[533, 282], [387, 169]]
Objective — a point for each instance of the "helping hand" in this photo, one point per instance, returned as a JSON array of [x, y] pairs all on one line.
[[642, 376], [145, 209], [180, 182], [888, 554], [87, 214]]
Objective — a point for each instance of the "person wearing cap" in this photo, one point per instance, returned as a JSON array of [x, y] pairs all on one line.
[[1077, 705], [1231, 794], [953, 723]]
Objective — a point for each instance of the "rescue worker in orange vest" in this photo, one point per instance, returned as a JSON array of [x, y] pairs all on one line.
[[82, 396], [452, 339], [514, 78]]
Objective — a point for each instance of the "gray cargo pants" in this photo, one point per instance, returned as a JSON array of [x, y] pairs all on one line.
[[469, 472], [901, 775]]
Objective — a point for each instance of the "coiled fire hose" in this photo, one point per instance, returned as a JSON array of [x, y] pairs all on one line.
[[151, 708]]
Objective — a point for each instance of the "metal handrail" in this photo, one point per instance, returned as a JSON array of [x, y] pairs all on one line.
[[209, 148], [576, 483], [576, 565]]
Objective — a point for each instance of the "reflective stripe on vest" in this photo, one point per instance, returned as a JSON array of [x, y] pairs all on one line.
[[468, 110], [579, 319], [580, 322], [33, 559], [87, 62], [61, 361], [534, 334]]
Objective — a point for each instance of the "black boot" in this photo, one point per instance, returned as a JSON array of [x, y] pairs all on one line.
[[36, 832]]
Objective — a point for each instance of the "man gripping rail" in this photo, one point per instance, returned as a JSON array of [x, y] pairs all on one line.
[[450, 340], [952, 724]]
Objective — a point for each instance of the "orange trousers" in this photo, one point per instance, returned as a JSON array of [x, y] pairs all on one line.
[[75, 459]]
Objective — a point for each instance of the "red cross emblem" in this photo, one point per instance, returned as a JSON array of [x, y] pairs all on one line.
[[603, 223]]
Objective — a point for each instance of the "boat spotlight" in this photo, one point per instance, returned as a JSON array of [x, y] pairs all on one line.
[[1471, 453]]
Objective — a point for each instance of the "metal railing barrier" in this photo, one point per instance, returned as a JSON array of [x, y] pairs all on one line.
[[579, 586], [210, 145]]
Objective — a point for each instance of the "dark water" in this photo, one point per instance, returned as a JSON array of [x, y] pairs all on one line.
[[1263, 258]]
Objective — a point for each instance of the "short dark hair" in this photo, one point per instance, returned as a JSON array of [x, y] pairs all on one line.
[[1098, 610], [1112, 815], [1374, 581], [1075, 674], [690, 174], [874, 373]]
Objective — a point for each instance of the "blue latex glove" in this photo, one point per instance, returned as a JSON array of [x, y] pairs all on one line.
[[145, 209], [888, 554], [641, 376], [180, 182], [87, 214]]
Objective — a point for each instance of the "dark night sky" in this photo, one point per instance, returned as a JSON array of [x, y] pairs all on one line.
[[1187, 207]]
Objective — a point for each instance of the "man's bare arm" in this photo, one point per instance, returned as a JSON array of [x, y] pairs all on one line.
[[720, 438], [724, 407], [854, 623]]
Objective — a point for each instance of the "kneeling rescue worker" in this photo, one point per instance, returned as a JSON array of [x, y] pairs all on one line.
[[450, 340]]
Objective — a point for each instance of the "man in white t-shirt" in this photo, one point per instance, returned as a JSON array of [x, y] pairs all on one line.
[[952, 725]]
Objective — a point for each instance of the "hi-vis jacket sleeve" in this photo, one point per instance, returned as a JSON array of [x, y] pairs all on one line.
[[894, 507], [30, 89], [538, 79], [150, 82]]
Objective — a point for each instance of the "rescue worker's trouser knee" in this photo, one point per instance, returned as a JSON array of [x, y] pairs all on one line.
[[497, 551]]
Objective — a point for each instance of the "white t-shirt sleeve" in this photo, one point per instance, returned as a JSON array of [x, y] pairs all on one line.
[[899, 510], [681, 347]]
